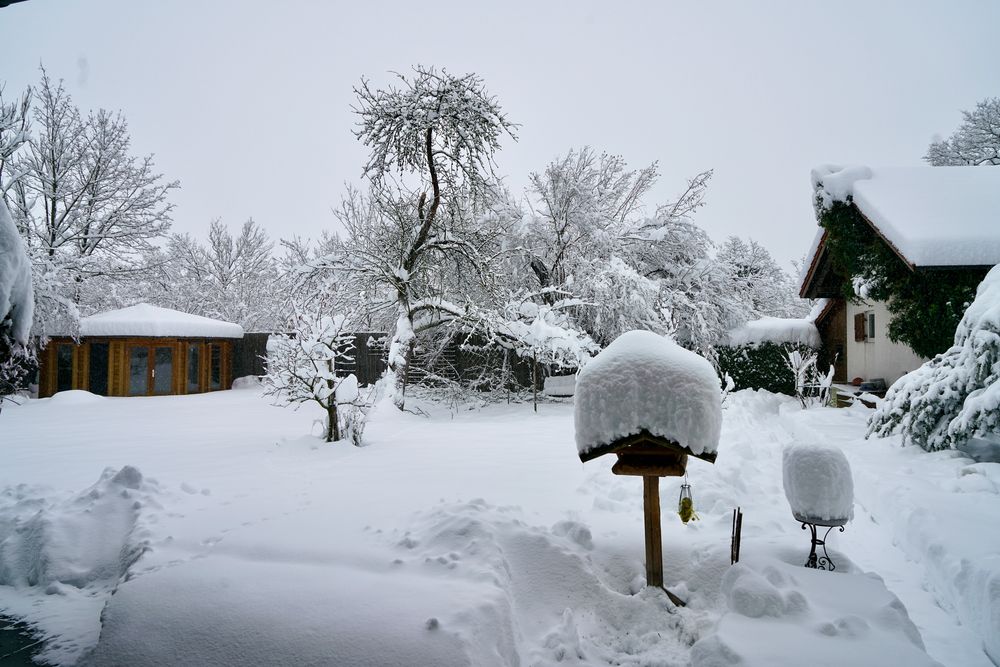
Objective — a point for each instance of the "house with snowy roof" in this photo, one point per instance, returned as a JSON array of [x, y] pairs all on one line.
[[940, 222], [141, 350]]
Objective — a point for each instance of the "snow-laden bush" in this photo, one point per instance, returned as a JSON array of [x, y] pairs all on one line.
[[956, 395], [304, 367], [760, 366], [16, 306]]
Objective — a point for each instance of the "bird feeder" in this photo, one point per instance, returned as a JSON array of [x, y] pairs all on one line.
[[653, 405]]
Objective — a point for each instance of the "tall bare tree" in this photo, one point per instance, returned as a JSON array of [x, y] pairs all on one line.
[[84, 203], [434, 212], [975, 142]]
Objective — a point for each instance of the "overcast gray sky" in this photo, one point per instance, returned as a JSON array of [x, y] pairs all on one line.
[[247, 103]]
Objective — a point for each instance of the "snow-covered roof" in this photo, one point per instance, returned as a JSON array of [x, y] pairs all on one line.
[[146, 320], [645, 382], [777, 330], [933, 216]]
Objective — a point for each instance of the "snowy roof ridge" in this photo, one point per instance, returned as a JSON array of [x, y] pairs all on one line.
[[798, 330], [932, 216], [144, 319]]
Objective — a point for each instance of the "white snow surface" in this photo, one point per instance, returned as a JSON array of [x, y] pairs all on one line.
[[560, 385], [777, 609], [146, 320], [17, 300], [474, 537], [934, 216], [818, 482], [643, 381], [776, 330]]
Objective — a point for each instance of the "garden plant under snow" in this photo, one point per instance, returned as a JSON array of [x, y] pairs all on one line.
[[956, 395]]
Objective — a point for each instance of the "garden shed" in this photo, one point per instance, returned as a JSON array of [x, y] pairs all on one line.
[[141, 350]]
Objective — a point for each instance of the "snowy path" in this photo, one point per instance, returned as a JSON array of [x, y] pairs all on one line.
[[476, 538], [894, 488]]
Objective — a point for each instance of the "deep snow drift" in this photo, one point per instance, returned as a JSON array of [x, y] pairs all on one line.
[[471, 538]]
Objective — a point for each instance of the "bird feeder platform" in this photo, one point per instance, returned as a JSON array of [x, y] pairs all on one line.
[[650, 457]]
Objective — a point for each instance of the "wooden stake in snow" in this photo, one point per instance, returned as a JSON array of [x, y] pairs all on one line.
[[652, 404]]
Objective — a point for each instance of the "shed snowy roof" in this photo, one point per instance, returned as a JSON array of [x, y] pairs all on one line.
[[645, 382], [777, 330], [146, 320], [932, 216]]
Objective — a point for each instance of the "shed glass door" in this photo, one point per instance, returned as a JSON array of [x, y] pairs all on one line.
[[97, 374], [150, 370], [138, 371], [163, 369]]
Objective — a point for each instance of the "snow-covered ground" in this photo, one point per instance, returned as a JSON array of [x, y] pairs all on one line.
[[229, 535]]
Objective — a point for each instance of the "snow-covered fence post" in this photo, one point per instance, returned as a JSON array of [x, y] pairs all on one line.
[[820, 491], [652, 404]]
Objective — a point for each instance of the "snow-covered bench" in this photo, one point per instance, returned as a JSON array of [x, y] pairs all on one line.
[[560, 386]]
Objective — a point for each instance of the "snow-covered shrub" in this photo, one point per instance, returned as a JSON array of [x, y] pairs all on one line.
[[547, 336], [762, 366], [812, 387], [16, 307], [304, 367], [956, 395], [818, 482]]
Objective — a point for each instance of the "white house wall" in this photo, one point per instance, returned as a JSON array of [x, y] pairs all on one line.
[[878, 357]]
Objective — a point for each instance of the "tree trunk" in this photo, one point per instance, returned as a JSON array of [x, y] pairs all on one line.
[[400, 352], [332, 423], [534, 380]]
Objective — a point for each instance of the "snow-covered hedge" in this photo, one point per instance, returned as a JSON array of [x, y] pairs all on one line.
[[956, 395], [16, 298], [761, 366]]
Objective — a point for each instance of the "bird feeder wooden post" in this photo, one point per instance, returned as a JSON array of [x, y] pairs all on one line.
[[652, 404], [650, 457], [654, 542]]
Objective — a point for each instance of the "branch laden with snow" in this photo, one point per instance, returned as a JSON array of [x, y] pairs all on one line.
[[304, 367]]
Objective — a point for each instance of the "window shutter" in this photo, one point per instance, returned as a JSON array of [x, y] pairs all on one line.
[[859, 327]]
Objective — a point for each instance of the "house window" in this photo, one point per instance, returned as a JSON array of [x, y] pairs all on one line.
[[870, 328]]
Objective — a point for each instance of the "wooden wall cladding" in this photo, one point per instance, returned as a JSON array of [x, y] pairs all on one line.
[[118, 363]]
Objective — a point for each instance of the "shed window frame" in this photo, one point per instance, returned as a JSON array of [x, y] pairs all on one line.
[[870, 326]]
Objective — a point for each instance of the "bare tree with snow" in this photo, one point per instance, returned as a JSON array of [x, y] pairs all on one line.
[[975, 142], [430, 218], [764, 287], [304, 367], [84, 203], [579, 204]]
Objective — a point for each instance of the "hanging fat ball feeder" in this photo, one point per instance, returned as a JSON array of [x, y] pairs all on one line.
[[685, 503]]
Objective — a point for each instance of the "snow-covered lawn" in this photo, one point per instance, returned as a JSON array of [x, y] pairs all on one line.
[[235, 537]]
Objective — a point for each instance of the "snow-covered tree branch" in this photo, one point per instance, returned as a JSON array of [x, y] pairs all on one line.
[[975, 142], [303, 367]]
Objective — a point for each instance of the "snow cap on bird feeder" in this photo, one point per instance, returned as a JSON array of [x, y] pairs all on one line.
[[644, 395]]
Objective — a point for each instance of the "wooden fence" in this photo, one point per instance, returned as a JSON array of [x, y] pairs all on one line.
[[370, 355]]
